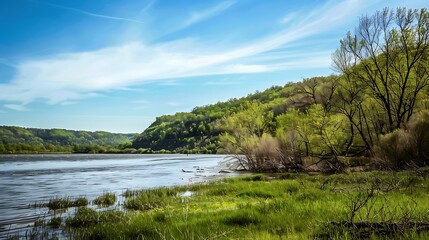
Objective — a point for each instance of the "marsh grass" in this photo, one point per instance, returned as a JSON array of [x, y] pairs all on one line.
[[55, 222], [86, 217], [105, 200], [151, 198], [64, 203], [284, 206]]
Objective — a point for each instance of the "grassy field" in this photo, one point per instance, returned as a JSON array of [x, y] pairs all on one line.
[[375, 205]]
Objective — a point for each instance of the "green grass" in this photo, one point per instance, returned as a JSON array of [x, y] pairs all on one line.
[[105, 200], [63, 203], [55, 222], [286, 206], [86, 217]]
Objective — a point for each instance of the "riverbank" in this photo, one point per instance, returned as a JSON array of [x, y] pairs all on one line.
[[35, 179], [373, 205]]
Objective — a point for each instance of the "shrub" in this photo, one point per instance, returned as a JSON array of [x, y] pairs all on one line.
[[262, 154], [408, 147], [291, 156], [394, 149], [419, 131]]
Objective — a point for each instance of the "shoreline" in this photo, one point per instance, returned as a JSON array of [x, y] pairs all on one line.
[[258, 206]]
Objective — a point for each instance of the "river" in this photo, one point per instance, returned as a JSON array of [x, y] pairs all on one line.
[[29, 179]]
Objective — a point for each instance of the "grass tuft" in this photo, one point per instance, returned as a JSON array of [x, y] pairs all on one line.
[[105, 200], [242, 219], [55, 222], [63, 203]]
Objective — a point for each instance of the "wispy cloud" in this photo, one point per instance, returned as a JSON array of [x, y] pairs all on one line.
[[222, 82], [288, 18], [199, 16], [68, 103], [88, 13], [173, 104], [140, 102], [16, 107], [70, 77], [147, 7], [170, 83], [7, 63]]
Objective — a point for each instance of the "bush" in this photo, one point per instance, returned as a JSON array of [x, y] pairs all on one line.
[[395, 149], [291, 155], [262, 154], [419, 131], [404, 148]]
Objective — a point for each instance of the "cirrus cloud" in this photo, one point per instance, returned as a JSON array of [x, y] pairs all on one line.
[[69, 77]]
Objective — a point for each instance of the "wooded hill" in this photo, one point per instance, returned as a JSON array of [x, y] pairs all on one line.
[[198, 131], [34, 140]]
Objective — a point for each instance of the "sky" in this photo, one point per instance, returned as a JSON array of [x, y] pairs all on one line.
[[117, 65]]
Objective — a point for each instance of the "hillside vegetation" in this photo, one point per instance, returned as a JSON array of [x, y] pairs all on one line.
[[34, 140], [197, 131], [375, 111]]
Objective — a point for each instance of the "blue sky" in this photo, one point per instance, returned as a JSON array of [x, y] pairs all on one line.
[[116, 65]]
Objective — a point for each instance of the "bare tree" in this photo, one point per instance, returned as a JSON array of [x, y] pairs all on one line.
[[389, 54]]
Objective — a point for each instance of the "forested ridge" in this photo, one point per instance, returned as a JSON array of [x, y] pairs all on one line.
[[34, 140], [198, 131]]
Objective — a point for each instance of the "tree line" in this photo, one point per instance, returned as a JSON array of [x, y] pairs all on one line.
[[34, 140]]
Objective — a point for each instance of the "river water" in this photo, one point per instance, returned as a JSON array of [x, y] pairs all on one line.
[[29, 179]]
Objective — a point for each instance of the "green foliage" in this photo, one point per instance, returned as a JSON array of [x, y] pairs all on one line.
[[384, 67], [319, 132], [405, 148], [384, 81], [199, 131], [33, 140]]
